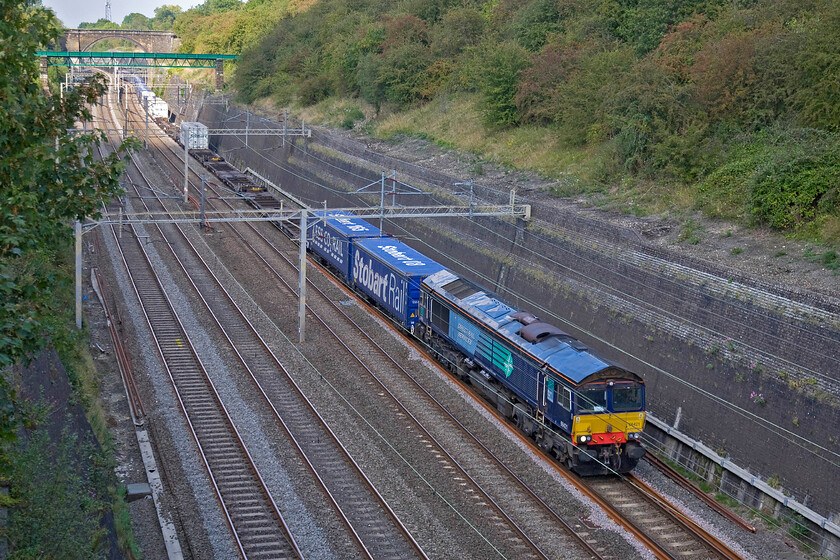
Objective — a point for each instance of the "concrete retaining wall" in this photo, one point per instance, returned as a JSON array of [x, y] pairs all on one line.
[[687, 327]]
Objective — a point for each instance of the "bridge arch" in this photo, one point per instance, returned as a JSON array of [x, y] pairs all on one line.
[[81, 40], [132, 41]]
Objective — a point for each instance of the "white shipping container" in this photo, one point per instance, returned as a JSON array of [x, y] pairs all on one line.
[[194, 135], [159, 109], [146, 97]]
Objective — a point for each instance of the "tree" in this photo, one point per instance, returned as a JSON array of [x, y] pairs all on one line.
[[137, 21], [218, 6], [165, 17], [101, 23], [458, 29], [47, 179], [499, 82]]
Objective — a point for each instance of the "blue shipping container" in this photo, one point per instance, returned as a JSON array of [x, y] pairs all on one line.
[[329, 237], [390, 272]]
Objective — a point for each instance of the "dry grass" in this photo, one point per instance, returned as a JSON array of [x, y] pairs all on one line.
[[831, 230], [455, 121]]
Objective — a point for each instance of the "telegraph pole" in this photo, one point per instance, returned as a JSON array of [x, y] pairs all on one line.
[[78, 275], [146, 108], [186, 169], [302, 278]]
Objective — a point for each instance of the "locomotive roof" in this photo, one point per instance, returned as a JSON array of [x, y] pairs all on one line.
[[546, 343]]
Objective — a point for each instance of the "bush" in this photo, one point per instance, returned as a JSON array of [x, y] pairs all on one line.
[[313, 90], [534, 22], [351, 116], [501, 74], [459, 28], [539, 96], [725, 192], [789, 192], [59, 495], [598, 96], [404, 72]]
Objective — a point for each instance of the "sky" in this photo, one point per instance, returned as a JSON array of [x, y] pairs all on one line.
[[73, 12]]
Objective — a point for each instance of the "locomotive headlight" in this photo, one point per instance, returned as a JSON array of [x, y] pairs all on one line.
[[634, 435], [584, 439]]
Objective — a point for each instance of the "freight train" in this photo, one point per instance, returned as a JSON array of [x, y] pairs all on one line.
[[584, 410], [581, 408], [157, 107]]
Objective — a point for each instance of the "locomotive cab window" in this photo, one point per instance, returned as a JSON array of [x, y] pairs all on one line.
[[627, 397], [592, 398]]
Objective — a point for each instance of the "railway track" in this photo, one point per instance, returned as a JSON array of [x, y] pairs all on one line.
[[257, 526], [486, 506], [688, 549], [374, 528], [701, 313], [663, 528], [253, 516], [690, 546]]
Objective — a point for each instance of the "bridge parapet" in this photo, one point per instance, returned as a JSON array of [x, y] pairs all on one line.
[[149, 41]]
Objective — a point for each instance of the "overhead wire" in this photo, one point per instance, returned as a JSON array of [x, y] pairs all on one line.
[[567, 233], [778, 430], [654, 306], [382, 437]]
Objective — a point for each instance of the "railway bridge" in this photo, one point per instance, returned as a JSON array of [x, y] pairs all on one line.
[[157, 50], [149, 41]]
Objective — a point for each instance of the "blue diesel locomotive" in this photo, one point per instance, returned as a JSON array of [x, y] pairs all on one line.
[[579, 407], [583, 410]]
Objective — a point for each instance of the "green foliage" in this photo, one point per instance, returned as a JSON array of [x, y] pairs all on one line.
[[371, 88], [458, 29], [122, 523], [790, 188], [46, 184], [162, 21], [816, 71], [101, 23], [643, 24], [403, 73], [500, 76], [702, 94], [59, 491], [692, 232], [165, 16], [534, 22], [351, 116], [136, 21], [799, 530], [831, 260], [725, 191], [209, 7]]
